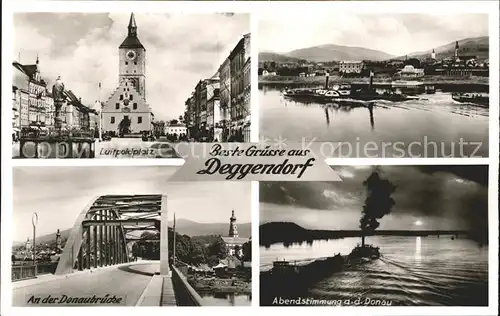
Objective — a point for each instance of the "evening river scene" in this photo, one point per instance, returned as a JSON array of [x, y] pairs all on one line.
[[383, 236], [428, 271]]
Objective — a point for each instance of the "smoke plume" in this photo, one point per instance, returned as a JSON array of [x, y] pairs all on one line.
[[378, 202]]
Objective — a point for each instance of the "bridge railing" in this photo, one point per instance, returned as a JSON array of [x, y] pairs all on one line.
[[27, 271], [22, 272], [185, 293]]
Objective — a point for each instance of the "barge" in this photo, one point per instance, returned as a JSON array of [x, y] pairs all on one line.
[[474, 98], [332, 95]]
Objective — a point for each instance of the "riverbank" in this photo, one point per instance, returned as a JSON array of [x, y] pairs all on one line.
[[219, 285], [430, 80]]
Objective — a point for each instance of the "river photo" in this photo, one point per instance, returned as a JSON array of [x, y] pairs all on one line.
[[383, 236], [428, 271], [436, 118]]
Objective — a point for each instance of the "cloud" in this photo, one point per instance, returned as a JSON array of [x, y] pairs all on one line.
[[455, 195], [397, 34], [181, 49], [58, 195]]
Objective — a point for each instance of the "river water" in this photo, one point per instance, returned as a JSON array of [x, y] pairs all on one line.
[[226, 299], [424, 271], [432, 127]]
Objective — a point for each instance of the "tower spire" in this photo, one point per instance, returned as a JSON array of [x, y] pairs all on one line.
[[132, 26]]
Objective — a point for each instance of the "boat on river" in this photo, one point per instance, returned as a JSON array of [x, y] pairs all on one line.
[[341, 93], [475, 98]]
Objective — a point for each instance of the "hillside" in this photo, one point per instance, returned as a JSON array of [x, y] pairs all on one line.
[[279, 58], [190, 228], [45, 239], [478, 46], [183, 227], [331, 52]]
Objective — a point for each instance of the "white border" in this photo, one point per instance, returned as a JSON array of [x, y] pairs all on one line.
[[371, 7]]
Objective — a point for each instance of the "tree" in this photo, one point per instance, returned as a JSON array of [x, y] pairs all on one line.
[[174, 121], [218, 248], [247, 251], [124, 126], [414, 62]]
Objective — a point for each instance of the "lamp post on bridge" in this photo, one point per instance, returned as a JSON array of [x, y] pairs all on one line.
[[34, 221]]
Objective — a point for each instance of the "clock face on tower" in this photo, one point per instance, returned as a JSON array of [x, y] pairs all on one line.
[[131, 55]]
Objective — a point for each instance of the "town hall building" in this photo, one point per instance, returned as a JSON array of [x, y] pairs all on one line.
[[234, 243], [128, 101]]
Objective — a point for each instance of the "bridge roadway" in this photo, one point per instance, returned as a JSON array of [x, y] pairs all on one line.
[[131, 281]]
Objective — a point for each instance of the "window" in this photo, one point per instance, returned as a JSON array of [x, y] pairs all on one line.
[[121, 96], [139, 119], [131, 97], [135, 63], [135, 106], [135, 71], [117, 105], [112, 120], [126, 63]]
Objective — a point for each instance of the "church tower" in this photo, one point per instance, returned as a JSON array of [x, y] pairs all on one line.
[[233, 230], [433, 55], [456, 50], [133, 59], [127, 103]]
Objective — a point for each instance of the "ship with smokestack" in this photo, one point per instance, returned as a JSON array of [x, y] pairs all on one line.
[[344, 93], [291, 278]]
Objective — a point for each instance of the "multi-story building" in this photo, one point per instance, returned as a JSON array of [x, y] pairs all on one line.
[[28, 81], [158, 128], [16, 108], [75, 115], [240, 111], [225, 90], [410, 72], [350, 67], [176, 129], [128, 101], [213, 101], [49, 109]]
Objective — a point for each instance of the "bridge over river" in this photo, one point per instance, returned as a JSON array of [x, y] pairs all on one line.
[[95, 267]]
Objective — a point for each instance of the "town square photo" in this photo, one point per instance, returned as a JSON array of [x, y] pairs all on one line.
[[377, 85], [383, 236], [126, 236], [106, 85]]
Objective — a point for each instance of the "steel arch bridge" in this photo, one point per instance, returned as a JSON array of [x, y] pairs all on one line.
[[100, 234]]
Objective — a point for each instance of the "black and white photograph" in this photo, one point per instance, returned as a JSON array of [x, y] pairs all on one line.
[[128, 85], [377, 85], [383, 236], [126, 236]]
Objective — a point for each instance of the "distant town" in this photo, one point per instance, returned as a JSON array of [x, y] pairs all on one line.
[[462, 60]]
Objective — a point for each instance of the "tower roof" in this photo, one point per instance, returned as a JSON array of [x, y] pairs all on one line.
[[132, 41]]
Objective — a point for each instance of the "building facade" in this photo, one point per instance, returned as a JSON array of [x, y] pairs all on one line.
[[350, 67], [225, 90], [234, 243], [410, 72], [240, 110], [128, 101], [178, 129]]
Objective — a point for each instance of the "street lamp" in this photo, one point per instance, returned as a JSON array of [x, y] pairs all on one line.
[[34, 221]]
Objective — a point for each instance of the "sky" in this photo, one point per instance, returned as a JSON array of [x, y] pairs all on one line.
[[59, 194], [396, 34], [440, 197], [181, 49]]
